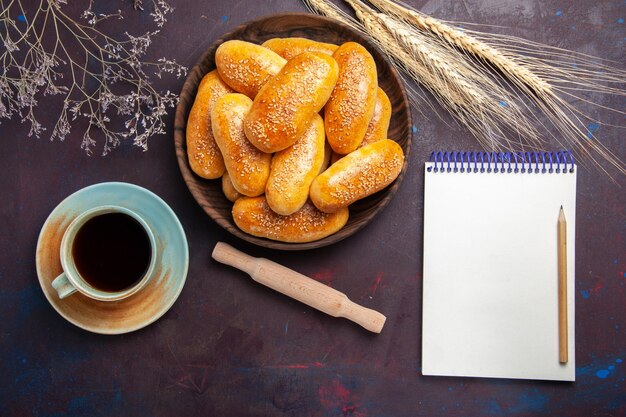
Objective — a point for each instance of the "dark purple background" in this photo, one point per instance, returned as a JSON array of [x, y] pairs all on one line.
[[231, 347]]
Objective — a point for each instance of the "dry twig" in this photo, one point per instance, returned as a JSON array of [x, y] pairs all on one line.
[[109, 79]]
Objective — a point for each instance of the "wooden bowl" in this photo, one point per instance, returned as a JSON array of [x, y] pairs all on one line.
[[208, 193]]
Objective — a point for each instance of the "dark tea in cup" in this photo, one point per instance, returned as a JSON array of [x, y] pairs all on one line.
[[112, 251], [107, 253]]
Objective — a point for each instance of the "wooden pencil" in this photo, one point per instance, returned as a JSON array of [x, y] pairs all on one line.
[[562, 261]]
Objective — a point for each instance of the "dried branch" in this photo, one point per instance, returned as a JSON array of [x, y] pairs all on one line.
[[109, 80]]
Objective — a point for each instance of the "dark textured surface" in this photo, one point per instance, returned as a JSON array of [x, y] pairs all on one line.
[[230, 347]]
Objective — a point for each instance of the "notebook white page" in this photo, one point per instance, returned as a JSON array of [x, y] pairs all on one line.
[[490, 304]]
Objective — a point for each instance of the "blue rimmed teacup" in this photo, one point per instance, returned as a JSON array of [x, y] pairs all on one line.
[[71, 280]]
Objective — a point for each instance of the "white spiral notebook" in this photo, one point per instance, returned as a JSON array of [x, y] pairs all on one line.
[[490, 299]]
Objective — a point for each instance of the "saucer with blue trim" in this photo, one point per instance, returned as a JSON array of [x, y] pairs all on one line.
[[140, 309]]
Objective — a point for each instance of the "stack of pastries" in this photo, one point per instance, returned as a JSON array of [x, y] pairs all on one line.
[[296, 130]]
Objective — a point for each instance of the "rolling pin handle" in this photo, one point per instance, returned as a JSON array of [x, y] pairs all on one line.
[[369, 319], [226, 254]]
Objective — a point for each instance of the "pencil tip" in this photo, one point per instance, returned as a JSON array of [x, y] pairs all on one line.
[[561, 206]]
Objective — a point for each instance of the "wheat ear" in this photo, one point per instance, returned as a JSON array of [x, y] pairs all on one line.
[[418, 49], [543, 74], [457, 90], [480, 105], [460, 39], [473, 99]]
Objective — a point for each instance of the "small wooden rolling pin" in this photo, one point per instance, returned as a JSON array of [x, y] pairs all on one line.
[[300, 287]]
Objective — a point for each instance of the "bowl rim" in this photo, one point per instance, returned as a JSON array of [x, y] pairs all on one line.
[[180, 123]]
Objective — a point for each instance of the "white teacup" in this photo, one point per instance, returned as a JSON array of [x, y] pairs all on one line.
[[70, 280]]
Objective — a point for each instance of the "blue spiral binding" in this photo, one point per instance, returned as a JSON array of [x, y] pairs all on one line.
[[503, 162]]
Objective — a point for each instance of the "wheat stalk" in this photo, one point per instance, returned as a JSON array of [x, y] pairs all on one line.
[[543, 78], [462, 40], [480, 98], [473, 99], [459, 66], [510, 60]]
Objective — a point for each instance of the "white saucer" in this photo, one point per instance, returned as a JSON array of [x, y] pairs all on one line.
[[140, 309]]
